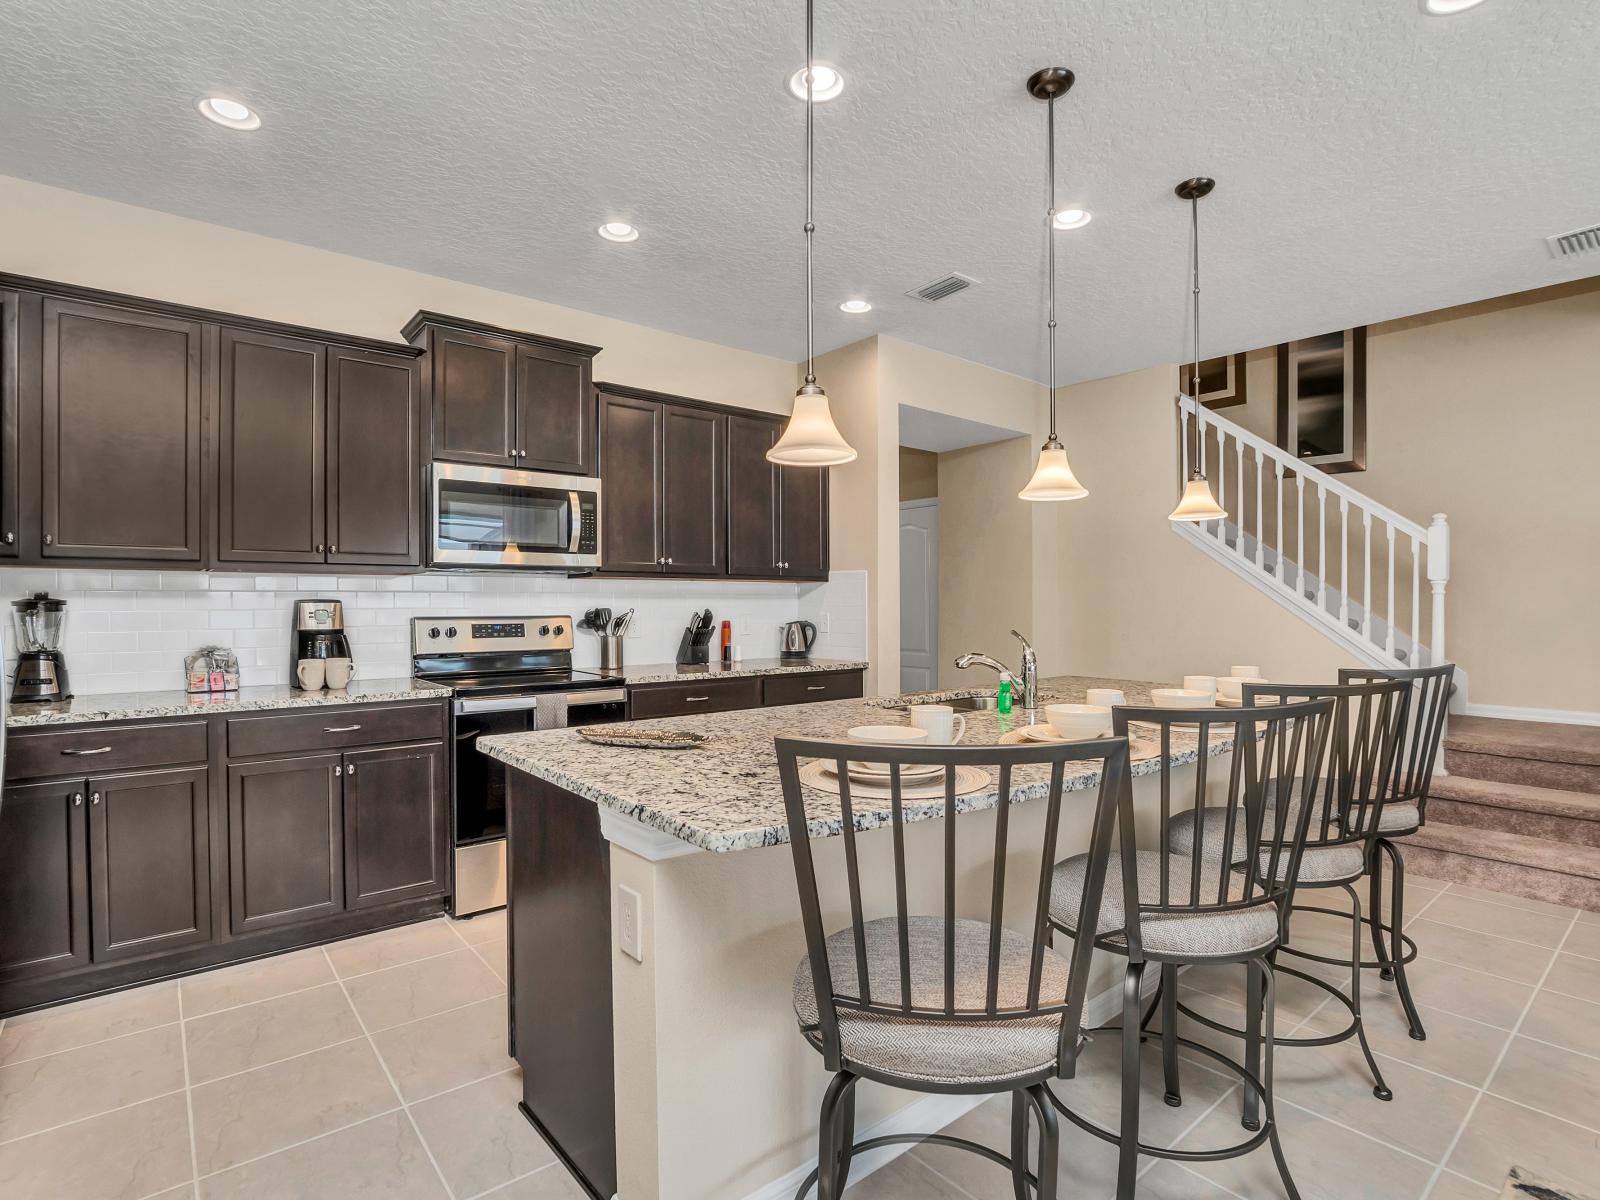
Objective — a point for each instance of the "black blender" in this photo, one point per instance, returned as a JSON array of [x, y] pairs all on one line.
[[41, 676]]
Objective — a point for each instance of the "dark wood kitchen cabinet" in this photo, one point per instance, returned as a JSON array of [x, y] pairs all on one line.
[[150, 862], [803, 522], [120, 471], [777, 516], [10, 383], [396, 802], [663, 474], [285, 840], [504, 398], [44, 879], [374, 451]]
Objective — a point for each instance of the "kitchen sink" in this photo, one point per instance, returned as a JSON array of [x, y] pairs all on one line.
[[975, 703]]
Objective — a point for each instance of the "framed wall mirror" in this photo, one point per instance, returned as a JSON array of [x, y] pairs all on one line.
[[1221, 381], [1322, 399]]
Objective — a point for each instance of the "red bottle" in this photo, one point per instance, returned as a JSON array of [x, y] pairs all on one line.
[[727, 641]]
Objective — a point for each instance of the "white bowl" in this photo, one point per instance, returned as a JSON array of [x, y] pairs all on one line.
[[1232, 688], [1074, 722], [1200, 683], [888, 735], [1180, 698], [1244, 672]]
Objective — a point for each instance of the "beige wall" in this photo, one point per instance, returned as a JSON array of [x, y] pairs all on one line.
[[1490, 413], [72, 238], [919, 474]]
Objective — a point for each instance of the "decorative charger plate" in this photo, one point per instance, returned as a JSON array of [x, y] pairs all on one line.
[[644, 739], [1140, 748], [824, 778]]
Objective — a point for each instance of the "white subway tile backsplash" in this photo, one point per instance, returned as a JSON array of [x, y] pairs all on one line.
[[129, 631]]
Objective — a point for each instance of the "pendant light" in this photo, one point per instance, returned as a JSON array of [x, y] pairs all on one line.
[[1052, 478], [810, 439], [1197, 502]]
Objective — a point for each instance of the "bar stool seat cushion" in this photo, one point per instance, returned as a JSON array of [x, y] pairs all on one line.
[[1318, 864], [1394, 818], [1187, 936], [928, 1049]]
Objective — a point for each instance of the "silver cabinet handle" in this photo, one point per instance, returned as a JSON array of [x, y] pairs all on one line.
[[94, 798], [96, 750], [349, 768], [340, 728], [669, 562], [319, 547], [49, 540], [77, 799], [695, 699], [10, 537], [332, 549], [661, 562], [816, 687], [338, 770]]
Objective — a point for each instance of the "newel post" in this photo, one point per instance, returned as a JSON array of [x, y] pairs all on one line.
[[1438, 576]]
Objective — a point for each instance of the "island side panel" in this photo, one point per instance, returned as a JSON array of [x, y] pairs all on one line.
[[559, 916]]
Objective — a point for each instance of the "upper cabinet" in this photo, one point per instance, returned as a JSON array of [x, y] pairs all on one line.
[[508, 399], [120, 472], [777, 516], [10, 491], [374, 455]]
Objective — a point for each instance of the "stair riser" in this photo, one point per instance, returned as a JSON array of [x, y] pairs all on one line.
[[1531, 882], [1571, 830], [1499, 768]]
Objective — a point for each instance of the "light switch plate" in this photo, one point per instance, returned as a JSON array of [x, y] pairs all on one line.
[[630, 925]]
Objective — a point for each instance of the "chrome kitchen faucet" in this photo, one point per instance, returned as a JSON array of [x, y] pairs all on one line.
[[1027, 684]]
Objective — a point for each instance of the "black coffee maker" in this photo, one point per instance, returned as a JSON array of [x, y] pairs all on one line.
[[41, 676], [318, 632]]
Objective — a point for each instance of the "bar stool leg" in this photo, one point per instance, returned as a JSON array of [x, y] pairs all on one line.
[[1268, 985], [1049, 1142], [829, 1186], [847, 1134], [1252, 1045], [1169, 1033], [1380, 1088], [1019, 1144], [1128, 1139], [1397, 916]]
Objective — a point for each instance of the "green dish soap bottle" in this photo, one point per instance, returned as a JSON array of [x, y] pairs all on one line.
[[1004, 698]]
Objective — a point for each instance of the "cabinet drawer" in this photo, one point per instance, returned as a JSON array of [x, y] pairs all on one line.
[[92, 749], [803, 689], [682, 699], [333, 729]]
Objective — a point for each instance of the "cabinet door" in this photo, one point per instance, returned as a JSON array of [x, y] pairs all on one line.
[[121, 469], [474, 398], [630, 472], [10, 350], [693, 483], [555, 412], [374, 459], [149, 862], [752, 496], [396, 821], [270, 448], [44, 889], [285, 841], [803, 522]]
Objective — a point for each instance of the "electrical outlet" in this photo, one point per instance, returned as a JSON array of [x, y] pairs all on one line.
[[825, 623], [630, 930]]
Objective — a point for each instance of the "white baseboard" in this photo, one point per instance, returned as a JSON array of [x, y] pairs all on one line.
[[933, 1112], [1558, 716]]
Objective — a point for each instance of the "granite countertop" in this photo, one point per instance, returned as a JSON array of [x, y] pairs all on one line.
[[672, 673], [725, 796], [130, 706]]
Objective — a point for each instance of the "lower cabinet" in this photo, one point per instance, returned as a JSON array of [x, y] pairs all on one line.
[[285, 841], [44, 879], [396, 801]]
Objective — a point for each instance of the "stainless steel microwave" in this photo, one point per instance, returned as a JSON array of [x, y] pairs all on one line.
[[498, 517]]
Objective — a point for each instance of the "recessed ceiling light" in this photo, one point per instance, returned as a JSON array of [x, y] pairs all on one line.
[[1448, 8], [1072, 218], [826, 83], [618, 231], [229, 113], [855, 306]]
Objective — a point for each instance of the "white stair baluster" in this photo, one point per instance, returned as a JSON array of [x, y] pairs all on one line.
[[1366, 575], [1260, 484], [1277, 520], [1344, 563], [1222, 482], [1416, 602], [1388, 642], [1300, 536], [1322, 548], [1238, 511]]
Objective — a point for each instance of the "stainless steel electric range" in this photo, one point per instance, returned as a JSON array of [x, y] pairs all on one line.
[[509, 674]]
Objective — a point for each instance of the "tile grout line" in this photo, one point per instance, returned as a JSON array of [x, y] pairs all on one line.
[[1499, 1060], [471, 946], [116, 1037], [500, 1187], [188, 1101], [398, 1094], [305, 1141], [21, 1137]]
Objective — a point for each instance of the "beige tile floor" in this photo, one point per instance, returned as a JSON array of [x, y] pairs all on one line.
[[377, 1067]]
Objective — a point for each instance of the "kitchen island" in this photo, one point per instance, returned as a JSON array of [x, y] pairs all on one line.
[[655, 932]]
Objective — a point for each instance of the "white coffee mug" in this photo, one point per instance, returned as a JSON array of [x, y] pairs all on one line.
[[1200, 683], [339, 671], [311, 674], [1244, 672], [940, 722], [1107, 697]]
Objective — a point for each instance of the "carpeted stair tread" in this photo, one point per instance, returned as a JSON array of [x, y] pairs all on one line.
[[1510, 849], [1542, 740], [1582, 806]]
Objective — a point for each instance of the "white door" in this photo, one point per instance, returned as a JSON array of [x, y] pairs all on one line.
[[919, 595]]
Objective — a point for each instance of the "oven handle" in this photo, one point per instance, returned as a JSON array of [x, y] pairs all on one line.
[[600, 696], [502, 704]]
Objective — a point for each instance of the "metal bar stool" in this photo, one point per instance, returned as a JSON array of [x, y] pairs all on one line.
[[943, 1003], [1173, 909], [1406, 812], [1349, 801]]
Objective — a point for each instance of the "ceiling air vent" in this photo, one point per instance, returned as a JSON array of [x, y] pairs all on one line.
[[1579, 241], [941, 288]]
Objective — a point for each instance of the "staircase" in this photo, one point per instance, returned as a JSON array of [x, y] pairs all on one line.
[[1519, 811]]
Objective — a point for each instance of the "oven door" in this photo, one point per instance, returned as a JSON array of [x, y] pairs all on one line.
[[497, 517], [480, 783]]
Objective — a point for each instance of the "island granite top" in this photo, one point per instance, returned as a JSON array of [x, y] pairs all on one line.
[[725, 795], [671, 673], [133, 706]]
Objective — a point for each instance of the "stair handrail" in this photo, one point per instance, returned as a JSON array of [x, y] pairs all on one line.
[[1435, 537]]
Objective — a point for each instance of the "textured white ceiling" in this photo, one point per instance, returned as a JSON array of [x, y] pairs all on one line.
[[1372, 161]]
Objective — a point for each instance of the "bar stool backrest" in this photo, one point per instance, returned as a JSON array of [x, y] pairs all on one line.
[[1430, 704], [1032, 774], [1369, 724], [1269, 746]]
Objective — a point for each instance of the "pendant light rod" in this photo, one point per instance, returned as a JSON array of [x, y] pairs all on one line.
[[811, 105], [1197, 503]]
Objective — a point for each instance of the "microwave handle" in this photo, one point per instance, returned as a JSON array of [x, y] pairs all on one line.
[[575, 520]]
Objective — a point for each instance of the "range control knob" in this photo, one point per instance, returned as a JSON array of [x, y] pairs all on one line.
[[434, 632], [450, 632], [560, 629], [544, 631]]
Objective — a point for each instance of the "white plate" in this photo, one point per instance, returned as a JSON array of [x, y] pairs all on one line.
[[881, 770], [1041, 732]]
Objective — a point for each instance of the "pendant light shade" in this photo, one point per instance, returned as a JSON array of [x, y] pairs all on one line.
[[1052, 477], [1197, 502], [810, 439]]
